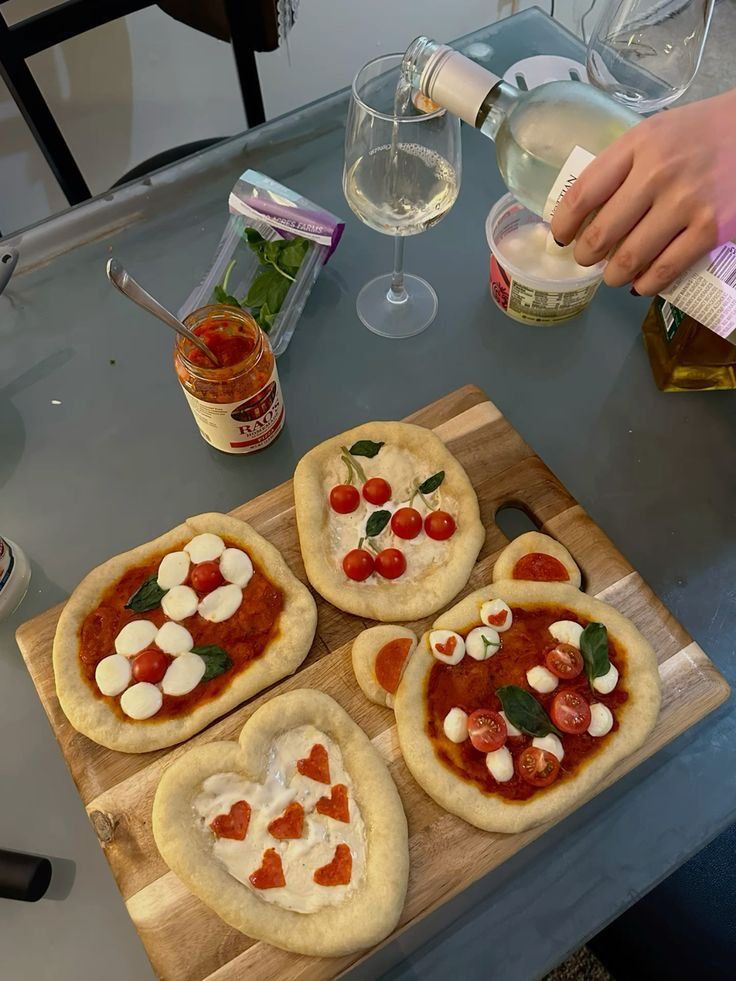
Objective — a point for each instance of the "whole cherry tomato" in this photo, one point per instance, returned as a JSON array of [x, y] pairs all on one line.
[[358, 564], [344, 498], [406, 523], [206, 576], [390, 563], [150, 665], [439, 525], [376, 490]]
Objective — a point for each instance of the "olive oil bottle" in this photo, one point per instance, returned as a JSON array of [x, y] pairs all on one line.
[[685, 355]]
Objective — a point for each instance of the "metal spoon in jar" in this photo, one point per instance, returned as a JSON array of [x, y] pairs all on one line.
[[135, 292]]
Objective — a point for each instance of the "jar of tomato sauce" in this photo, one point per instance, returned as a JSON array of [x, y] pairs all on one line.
[[237, 406]]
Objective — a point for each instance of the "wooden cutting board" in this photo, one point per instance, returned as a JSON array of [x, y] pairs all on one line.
[[186, 940]]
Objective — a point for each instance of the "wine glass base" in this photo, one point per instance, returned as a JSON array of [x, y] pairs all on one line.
[[390, 319]]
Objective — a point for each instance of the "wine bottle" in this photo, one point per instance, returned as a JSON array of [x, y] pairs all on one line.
[[544, 137]]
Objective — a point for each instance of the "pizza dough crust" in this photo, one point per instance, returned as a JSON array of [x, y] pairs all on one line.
[[637, 716], [365, 647], [399, 599], [534, 541], [93, 717], [370, 913]]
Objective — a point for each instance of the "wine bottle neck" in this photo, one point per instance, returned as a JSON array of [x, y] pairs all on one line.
[[460, 85]]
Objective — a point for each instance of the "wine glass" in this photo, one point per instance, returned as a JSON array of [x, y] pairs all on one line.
[[401, 176], [646, 54]]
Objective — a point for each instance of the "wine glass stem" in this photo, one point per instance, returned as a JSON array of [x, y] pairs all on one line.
[[397, 293]]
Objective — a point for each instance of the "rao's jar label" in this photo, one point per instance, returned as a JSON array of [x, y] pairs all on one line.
[[237, 405]]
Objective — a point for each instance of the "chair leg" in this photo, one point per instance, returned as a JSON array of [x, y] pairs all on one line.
[[244, 29], [27, 96]]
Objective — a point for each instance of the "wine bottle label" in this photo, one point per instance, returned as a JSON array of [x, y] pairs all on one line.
[[572, 169], [707, 291]]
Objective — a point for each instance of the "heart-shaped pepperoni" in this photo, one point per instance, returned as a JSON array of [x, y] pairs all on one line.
[[235, 823], [496, 619], [338, 871], [271, 873], [336, 806], [316, 765], [448, 647], [290, 824]]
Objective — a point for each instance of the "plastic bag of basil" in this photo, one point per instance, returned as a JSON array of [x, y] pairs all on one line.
[[272, 251]]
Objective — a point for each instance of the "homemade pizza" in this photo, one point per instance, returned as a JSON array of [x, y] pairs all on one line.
[[296, 835], [388, 521], [157, 642], [525, 694], [380, 655]]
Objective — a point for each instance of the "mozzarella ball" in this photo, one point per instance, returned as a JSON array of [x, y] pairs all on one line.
[[500, 764], [482, 643], [601, 719], [607, 682], [491, 609], [456, 725], [113, 674], [135, 636], [551, 743], [205, 548], [566, 632], [174, 639], [141, 701], [542, 680], [439, 639], [173, 570]]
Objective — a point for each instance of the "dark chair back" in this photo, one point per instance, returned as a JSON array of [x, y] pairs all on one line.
[[253, 27]]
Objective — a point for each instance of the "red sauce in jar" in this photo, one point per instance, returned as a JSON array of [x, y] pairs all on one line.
[[471, 685], [244, 636], [237, 405]]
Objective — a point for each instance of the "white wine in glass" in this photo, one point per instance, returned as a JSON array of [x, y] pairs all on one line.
[[401, 177]]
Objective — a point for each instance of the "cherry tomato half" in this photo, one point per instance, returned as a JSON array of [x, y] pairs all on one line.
[[150, 665], [537, 766], [564, 661], [376, 490], [439, 525], [570, 712], [390, 563], [206, 576], [487, 730], [406, 523], [344, 498], [358, 564]]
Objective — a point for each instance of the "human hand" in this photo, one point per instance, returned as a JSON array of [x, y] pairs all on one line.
[[665, 193]]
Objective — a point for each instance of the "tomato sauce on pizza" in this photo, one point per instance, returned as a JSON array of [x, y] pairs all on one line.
[[471, 685], [243, 636]]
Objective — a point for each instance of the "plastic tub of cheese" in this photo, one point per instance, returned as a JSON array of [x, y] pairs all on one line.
[[532, 279]]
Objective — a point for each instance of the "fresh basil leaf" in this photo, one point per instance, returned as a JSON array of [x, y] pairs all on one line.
[[365, 447], [524, 711], [216, 660], [252, 236], [258, 290], [376, 523], [265, 318], [147, 597], [292, 255], [594, 648], [222, 296], [432, 483], [277, 291]]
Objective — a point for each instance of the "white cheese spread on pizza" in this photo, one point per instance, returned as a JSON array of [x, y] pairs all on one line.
[[303, 845]]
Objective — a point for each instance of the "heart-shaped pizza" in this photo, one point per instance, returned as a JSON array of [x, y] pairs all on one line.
[[156, 643], [525, 694], [296, 835], [388, 521]]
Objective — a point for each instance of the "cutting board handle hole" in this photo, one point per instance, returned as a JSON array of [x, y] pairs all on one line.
[[513, 519]]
